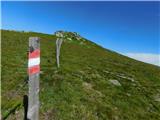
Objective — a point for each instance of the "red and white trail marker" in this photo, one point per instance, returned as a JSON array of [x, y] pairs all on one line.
[[34, 62]]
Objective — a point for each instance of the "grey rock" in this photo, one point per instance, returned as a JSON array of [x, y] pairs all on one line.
[[115, 82]]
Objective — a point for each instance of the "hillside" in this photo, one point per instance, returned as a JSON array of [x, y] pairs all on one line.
[[92, 83]]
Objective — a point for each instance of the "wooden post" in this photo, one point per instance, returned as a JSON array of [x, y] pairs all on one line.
[[33, 71], [58, 47], [59, 41]]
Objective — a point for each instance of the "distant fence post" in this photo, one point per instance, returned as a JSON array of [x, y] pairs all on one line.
[[33, 71], [58, 46]]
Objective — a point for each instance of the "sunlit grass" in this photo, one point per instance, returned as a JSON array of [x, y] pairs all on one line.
[[80, 89]]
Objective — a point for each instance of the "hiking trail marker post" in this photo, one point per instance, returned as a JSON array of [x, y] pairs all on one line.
[[58, 47], [33, 72]]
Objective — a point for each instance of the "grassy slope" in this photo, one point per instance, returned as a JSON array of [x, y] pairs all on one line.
[[80, 89]]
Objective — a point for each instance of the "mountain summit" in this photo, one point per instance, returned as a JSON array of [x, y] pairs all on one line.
[[69, 35]]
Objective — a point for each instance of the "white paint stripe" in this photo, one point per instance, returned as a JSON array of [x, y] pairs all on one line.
[[33, 61]]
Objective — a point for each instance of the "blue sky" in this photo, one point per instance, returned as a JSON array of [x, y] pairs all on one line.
[[125, 27]]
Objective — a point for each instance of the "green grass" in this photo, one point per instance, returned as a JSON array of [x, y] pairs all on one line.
[[80, 89]]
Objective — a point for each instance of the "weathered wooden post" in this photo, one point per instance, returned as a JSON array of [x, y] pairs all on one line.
[[33, 71], [58, 46]]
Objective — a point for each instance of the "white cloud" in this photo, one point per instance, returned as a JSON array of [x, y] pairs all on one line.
[[145, 57]]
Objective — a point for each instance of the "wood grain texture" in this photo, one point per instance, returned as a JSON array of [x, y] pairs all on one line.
[[33, 108]]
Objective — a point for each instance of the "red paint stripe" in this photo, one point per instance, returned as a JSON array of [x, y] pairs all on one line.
[[34, 54], [33, 70]]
